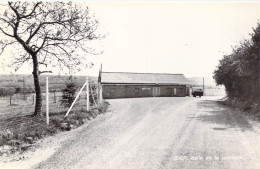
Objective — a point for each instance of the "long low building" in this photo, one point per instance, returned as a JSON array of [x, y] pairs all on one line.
[[132, 85]]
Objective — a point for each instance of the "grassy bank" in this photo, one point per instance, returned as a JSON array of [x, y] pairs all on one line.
[[249, 107], [30, 129]]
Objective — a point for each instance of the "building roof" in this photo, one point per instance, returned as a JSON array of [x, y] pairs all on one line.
[[142, 78]]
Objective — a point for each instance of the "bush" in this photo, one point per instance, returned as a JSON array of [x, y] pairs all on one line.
[[239, 71], [18, 90], [6, 91], [68, 94], [56, 120]]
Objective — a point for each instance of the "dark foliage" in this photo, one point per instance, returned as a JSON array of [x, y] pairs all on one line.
[[68, 94], [239, 72], [4, 91]]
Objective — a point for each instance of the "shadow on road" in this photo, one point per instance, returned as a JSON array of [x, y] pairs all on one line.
[[213, 112]]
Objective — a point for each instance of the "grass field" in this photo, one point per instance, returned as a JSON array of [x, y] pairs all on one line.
[[26, 107], [25, 82], [20, 129]]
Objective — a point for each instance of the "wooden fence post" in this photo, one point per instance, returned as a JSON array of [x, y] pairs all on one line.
[[93, 98], [97, 93], [47, 101], [100, 95]]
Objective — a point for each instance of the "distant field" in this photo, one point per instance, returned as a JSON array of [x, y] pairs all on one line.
[[22, 104], [55, 82], [215, 92]]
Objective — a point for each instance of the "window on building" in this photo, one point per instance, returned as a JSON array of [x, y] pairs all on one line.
[[146, 88], [174, 91]]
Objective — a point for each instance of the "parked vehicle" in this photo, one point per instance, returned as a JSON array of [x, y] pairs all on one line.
[[196, 91]]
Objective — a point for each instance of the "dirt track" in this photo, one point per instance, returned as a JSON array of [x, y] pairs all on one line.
[[162, 133]]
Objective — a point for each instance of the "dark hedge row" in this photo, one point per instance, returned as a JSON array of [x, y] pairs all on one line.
[[239, 72], [9, 91]]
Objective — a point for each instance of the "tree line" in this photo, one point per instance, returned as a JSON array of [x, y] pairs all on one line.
[[239, 71], [7, 91]]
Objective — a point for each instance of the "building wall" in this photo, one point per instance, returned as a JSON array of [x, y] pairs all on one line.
[[134, 91]]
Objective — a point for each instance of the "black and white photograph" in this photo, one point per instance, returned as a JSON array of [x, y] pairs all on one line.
[[142, 84]]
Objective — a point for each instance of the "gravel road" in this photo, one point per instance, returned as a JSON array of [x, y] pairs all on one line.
[[182, 132]]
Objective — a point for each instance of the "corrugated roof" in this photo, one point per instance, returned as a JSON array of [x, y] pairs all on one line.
[[143, 78]]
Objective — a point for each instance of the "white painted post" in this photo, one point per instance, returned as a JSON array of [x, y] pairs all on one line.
[[100, 95], [93, 96], [97, 96], [87, 87], [47, 101]]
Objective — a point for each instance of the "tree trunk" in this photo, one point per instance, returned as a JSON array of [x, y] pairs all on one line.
[[38, 103]]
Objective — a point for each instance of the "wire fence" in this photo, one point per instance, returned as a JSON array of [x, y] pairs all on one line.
[[14, 109]]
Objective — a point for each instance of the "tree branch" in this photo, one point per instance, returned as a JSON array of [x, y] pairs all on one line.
[[44, 40], [15, 10], [50, 31], [33, 34], [30, 14], [5, 45], [7, 34], [8, 22], [40, 72]]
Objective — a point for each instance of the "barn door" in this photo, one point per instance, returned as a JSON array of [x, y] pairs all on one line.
[[156, 91]]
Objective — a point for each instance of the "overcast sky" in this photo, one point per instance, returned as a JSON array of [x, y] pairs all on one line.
[[168, 37]]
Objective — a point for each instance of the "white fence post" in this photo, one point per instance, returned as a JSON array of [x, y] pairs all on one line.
[[87, 94], [47, 101], [100, 95], [97, 93], [93, 98]]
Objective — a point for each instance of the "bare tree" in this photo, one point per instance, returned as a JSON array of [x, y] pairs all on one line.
[[47, 33]]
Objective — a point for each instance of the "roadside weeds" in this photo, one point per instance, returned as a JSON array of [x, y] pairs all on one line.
[[246, 107], [20, 138]]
